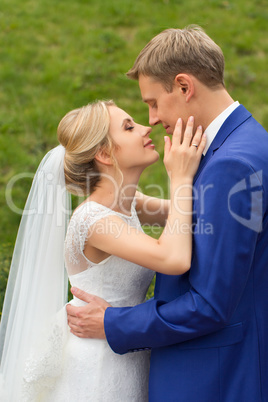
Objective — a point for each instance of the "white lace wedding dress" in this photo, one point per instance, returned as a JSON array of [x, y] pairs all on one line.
[[66, 368]]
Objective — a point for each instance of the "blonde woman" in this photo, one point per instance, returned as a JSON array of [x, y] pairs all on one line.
[[102, 154]]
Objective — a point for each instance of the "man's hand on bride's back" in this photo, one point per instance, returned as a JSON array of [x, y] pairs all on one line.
[[87, 321]]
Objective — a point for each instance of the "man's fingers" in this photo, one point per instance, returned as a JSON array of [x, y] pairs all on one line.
[[74, 327], [70, 310], [80, 294], [76, 332]]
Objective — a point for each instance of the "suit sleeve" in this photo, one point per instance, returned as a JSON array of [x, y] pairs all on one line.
[[229, 203]]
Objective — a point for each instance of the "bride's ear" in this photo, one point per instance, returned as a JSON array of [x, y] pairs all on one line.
[[103, 157]]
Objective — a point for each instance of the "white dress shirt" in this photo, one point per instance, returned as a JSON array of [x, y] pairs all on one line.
[[212, 130]]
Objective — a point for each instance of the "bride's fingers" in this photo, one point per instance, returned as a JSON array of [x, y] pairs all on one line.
[[202, 145], [197, 137], [177, 134], [188, 133], [167, 146]]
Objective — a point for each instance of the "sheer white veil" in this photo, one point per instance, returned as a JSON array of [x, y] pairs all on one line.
[[37, 284]]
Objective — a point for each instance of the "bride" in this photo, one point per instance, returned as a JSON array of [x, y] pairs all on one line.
[[105, 252]]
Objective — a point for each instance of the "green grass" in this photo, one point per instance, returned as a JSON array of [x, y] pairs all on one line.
[[58, 55]]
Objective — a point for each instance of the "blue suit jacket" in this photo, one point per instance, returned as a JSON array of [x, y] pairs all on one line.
[[208, 329]]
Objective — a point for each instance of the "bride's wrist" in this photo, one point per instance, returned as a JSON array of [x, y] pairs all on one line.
[[181, 181]]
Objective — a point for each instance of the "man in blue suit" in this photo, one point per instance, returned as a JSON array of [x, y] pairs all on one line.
[[208, 328]]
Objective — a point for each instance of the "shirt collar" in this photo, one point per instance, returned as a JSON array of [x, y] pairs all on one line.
[[212, 130]]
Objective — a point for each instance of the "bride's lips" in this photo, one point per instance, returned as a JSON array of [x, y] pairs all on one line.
[[149, 144]]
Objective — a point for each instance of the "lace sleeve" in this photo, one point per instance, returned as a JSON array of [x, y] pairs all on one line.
[[83, 218]]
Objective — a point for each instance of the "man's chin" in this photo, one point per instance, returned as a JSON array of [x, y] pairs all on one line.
[[169, 130]]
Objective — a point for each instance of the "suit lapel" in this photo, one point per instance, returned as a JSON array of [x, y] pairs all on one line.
[[238, 117]]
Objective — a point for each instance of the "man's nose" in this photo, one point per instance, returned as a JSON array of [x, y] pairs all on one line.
[[153, 118]]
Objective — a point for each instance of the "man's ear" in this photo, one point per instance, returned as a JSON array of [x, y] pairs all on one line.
[[185, 85], [103, 157]]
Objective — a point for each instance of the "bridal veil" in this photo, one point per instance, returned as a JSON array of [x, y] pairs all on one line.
[[37, 284]]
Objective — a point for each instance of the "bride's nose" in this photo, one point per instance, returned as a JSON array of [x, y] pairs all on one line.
[[146, 131]]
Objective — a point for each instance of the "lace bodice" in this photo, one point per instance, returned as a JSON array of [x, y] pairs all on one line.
[[120, 282], [65, 368]]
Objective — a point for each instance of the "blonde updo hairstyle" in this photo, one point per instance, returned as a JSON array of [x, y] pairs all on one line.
[[83, 132]]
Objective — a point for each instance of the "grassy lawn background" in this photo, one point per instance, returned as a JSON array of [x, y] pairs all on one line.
[[59, 55]]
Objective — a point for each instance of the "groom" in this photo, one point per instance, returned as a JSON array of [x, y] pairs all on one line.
[[208, 329]]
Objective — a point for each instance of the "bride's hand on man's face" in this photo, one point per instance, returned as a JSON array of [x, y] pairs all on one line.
[[182, 155], [87, 321]]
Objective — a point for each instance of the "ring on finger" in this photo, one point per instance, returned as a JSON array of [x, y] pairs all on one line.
[[194, 145]]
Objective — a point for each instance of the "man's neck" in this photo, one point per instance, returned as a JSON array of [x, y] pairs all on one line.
[[214, 104]]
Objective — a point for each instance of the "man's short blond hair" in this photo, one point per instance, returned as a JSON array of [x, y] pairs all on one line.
[[174, 51]]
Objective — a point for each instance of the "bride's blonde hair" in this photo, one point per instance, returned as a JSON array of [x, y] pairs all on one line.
[[83, 132]]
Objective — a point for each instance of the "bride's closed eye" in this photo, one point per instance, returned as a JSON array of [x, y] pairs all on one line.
[[129, 127]]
